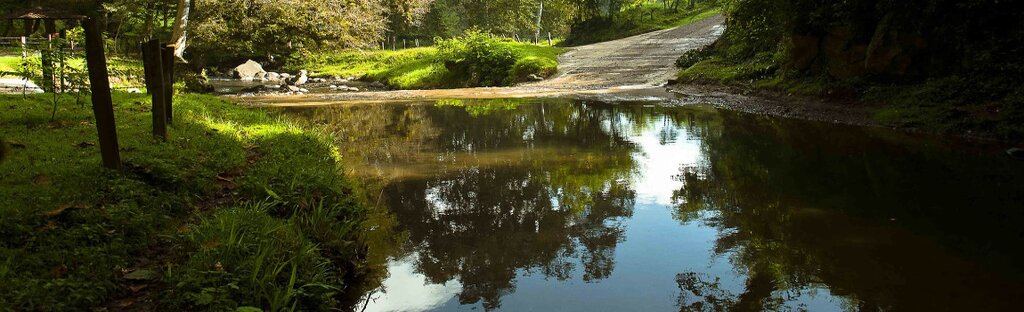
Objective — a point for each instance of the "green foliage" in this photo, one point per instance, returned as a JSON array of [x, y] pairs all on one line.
[[69, 249], [278, 29], [485, 60], [636, 19], [450, 18]]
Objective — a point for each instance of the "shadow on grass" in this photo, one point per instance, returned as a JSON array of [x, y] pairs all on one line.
[[72, 230]]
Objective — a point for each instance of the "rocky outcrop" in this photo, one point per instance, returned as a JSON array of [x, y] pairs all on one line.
[[251, 70], [892, 50], [802, 51], [889, 52]]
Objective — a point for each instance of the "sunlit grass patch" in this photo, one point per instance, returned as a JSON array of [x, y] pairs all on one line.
[[419, 68]]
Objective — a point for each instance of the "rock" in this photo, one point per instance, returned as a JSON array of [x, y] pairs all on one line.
[[249, 70], [333, 87], [845, 57], [293, 89], [353, 89], [261, 76], [377, 84], [302, 78], [15, 85], [892, 51], [534, 77], [1016, 152], [272, 76], [133, 90], [803, 50], [257, 89], [303, 90]]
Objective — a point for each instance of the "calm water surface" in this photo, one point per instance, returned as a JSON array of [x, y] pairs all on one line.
[[563, 205]]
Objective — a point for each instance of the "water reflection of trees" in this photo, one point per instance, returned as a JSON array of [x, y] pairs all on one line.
[[541, 188], [883, 222]]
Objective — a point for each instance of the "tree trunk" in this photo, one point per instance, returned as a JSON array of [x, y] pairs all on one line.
[[147, 33], [180, 37]]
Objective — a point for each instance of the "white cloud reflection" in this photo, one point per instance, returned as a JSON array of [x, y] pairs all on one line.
[[408, 291]]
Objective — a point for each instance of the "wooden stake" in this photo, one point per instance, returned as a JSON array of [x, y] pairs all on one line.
[[167, 54], [102, 103], [152, 62]]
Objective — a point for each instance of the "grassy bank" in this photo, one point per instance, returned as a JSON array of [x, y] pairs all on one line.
[[422, 68], [980, 106], [642, 18], [239, 208]]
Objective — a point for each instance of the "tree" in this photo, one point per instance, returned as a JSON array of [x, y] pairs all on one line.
[[180, 36]]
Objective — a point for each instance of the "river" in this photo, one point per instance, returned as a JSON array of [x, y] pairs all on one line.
[[575, 205]]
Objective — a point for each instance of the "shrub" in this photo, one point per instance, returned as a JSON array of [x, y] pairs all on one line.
[[484, 60]]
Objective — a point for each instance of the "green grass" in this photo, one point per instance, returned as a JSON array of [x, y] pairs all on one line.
[[238, 208], [9, 63], [637, 20], [418, 68], [124, 72]]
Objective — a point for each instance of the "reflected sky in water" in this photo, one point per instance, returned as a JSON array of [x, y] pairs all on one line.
[[558, 205]]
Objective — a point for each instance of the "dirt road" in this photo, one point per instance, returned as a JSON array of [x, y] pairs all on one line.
[[642, 60], [634, 67]]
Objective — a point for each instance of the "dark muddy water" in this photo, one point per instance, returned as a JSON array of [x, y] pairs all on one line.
[[563, 205]]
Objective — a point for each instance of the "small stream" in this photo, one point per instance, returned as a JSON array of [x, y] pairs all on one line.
[[572, 205]]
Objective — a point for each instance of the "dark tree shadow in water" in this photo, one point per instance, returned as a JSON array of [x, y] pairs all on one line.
[[881, 220]]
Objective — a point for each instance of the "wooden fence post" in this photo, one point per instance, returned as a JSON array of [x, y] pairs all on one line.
[[168, 70], [102, 103], [152, 61]]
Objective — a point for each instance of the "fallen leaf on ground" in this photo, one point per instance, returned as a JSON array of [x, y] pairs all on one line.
[[41, 179], [124, 303], [62, 209], [141, 275]]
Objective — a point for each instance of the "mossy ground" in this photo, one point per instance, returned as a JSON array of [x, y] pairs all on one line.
[[417, 68], [238, 208], [951, 105]]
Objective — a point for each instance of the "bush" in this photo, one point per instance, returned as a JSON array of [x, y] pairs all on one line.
[[693, 57], [484, 60]]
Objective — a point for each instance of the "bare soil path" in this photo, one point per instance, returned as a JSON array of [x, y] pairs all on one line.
[[635, 67]]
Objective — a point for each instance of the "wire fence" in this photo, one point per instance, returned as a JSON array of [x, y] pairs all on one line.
[[124, 73], [409, 42]]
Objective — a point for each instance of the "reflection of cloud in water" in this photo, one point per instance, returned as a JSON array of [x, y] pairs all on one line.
[[660, 163], [408, 291]]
